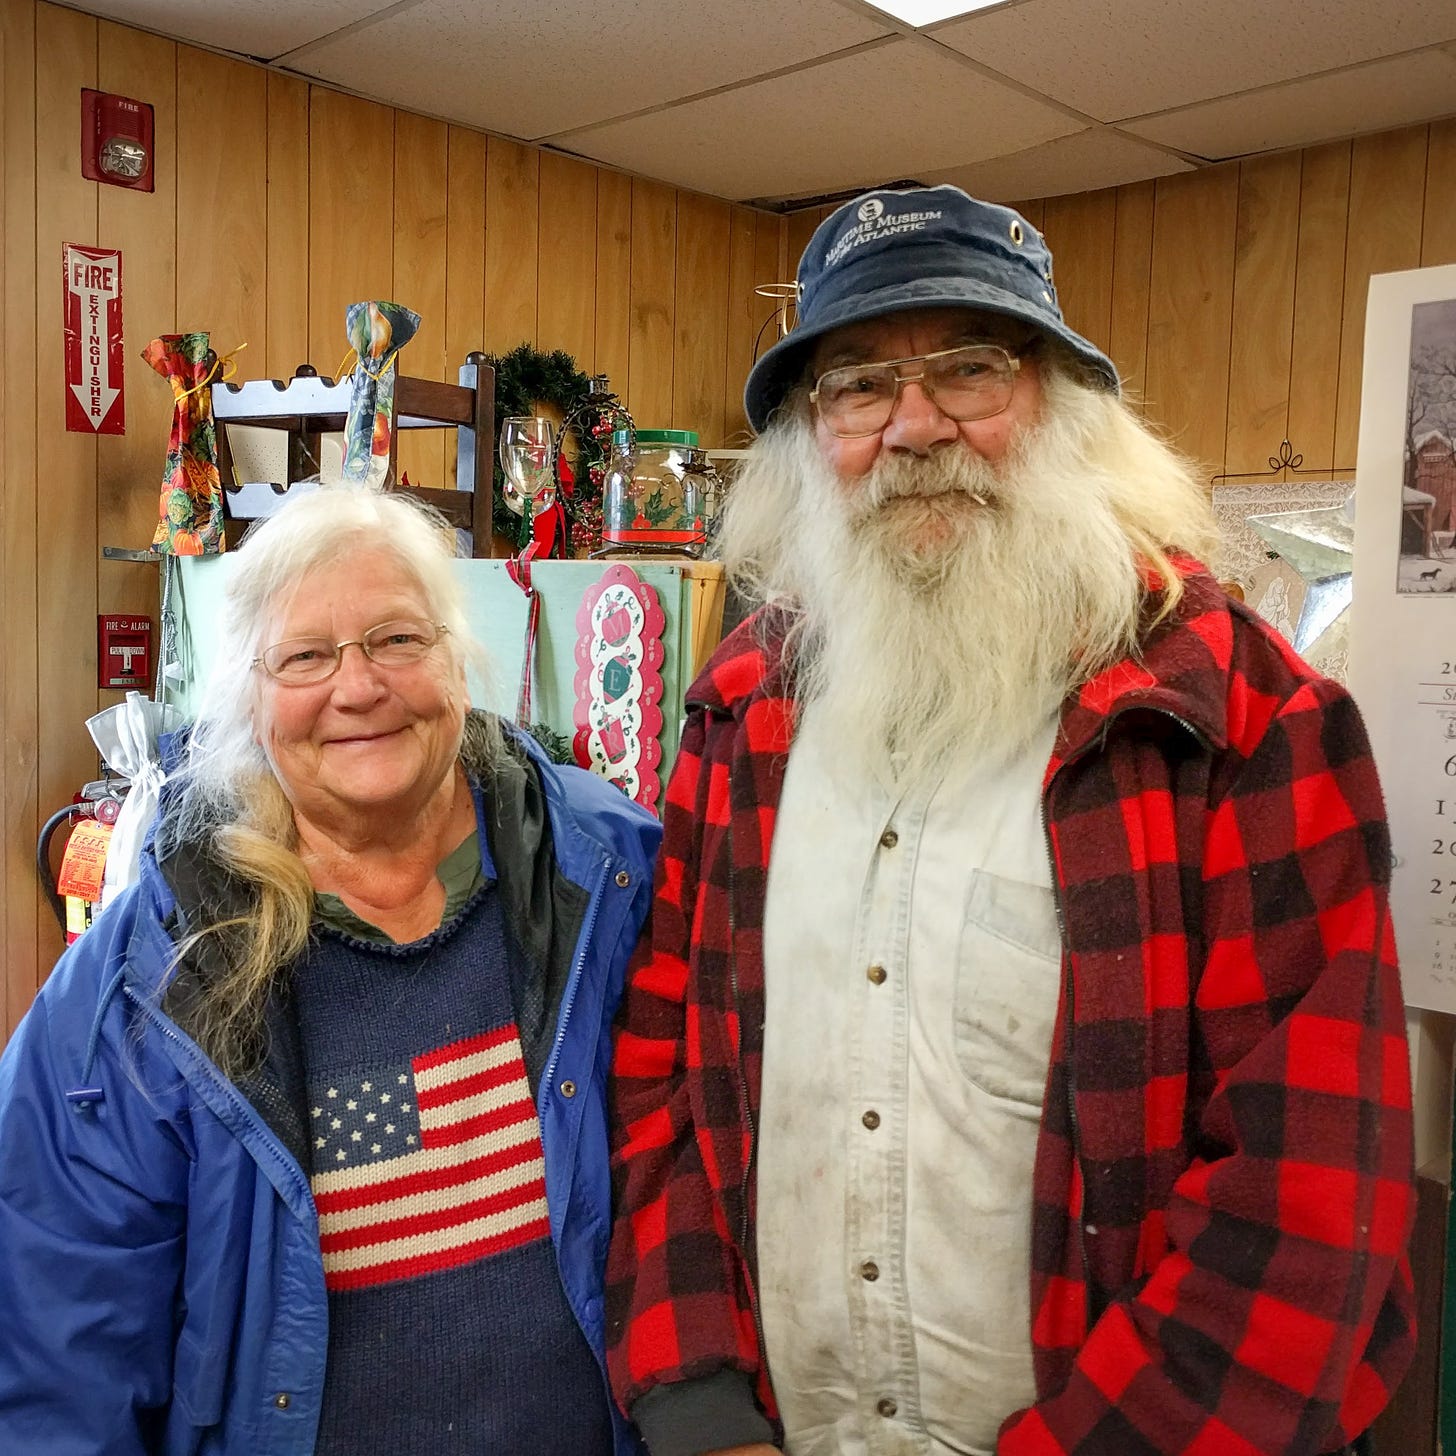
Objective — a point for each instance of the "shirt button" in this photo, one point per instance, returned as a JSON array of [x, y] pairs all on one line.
[[623, 879], [886, 1406], [871, 1119], [876, 975], [568, 1089], [889, 839], [869, 1271], [282, 1400]]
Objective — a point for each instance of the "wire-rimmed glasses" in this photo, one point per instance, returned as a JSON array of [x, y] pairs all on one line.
[[299, 661], [971, 382]]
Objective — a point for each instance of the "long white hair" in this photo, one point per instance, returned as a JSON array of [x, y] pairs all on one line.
[[1035, 578], [226, 796]]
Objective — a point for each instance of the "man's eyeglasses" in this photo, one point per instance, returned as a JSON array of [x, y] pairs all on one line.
[[302, 660], [972, 382]]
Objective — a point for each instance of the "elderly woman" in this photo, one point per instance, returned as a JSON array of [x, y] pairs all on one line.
[[302, 1146]]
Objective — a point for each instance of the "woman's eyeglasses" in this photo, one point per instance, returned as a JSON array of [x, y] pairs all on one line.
[[302, 660]]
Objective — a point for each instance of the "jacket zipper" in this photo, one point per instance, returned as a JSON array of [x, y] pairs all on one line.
[[548, 1078], [1093, 1314], [573, 981], [194, 1053]]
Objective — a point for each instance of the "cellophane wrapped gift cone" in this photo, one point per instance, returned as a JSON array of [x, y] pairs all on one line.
[[190, 514], [377, 332]]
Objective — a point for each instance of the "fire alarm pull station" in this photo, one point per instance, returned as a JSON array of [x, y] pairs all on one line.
[[124, 652], [116, 140]]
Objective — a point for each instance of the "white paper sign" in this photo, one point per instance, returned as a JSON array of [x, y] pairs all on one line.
[[1403, 620]]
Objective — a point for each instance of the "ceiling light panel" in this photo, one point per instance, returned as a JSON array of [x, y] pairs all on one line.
[[927, 12]]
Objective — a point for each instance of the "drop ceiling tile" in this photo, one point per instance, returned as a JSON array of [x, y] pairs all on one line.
[[529, 70], [883, 114], [1085, 162], [1349, 103], [1113, 59], [262, 28]]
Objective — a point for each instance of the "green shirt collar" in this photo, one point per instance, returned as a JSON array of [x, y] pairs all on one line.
[[461, 872]]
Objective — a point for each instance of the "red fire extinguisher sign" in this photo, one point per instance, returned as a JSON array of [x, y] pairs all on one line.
[[95, 376]]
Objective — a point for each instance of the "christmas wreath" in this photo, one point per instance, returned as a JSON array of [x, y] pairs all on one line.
[[525, 378]]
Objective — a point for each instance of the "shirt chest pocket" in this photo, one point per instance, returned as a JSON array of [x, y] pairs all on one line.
[[1008, 978]]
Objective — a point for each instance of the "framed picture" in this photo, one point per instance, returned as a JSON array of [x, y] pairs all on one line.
[[1427, 497]]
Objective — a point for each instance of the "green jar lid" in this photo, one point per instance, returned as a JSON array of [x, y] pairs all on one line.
[[683, 439]]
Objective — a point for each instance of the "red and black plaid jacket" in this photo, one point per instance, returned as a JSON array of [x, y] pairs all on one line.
[[1223, 1182]]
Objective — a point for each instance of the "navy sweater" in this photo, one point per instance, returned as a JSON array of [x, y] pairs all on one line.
[[448, 1327]]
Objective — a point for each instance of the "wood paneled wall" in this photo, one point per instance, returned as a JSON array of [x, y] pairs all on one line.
[[1232, 299], [276, 205]]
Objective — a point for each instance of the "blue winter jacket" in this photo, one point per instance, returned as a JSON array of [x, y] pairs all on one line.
[[161, 1284]]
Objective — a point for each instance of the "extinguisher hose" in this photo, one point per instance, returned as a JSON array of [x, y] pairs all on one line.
[[43, 859]]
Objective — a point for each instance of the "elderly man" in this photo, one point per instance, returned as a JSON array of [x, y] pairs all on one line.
[[1016, 1060]]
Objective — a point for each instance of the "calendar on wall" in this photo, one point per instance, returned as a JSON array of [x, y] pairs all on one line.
[[1403, 621]]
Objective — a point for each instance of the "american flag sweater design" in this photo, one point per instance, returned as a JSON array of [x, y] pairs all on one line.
[[428, 1163]]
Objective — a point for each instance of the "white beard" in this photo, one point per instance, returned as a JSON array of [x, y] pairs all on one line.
[[937, 631]]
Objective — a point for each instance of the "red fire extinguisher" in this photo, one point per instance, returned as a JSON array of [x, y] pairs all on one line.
[[74, 891]]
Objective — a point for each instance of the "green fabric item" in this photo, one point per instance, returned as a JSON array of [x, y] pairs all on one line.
[[460, 872]]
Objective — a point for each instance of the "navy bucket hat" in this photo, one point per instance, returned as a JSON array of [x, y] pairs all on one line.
[[926, 247]]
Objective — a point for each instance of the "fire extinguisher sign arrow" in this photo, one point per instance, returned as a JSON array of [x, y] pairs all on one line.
[[95, 374]]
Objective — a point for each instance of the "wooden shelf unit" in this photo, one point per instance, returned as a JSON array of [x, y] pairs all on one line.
[[310, 405]]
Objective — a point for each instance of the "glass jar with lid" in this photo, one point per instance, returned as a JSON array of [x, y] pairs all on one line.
[[701, 477], [653, 496]]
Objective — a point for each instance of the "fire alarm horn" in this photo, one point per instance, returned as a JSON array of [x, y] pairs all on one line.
[[116, 140]]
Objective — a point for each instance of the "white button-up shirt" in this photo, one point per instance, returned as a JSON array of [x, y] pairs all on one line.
[[912, 961]]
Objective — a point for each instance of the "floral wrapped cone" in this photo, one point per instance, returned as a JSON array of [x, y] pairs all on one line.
[[191, 503], [377, 332]]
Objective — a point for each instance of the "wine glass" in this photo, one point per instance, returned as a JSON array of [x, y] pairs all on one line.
[[526, 444]]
